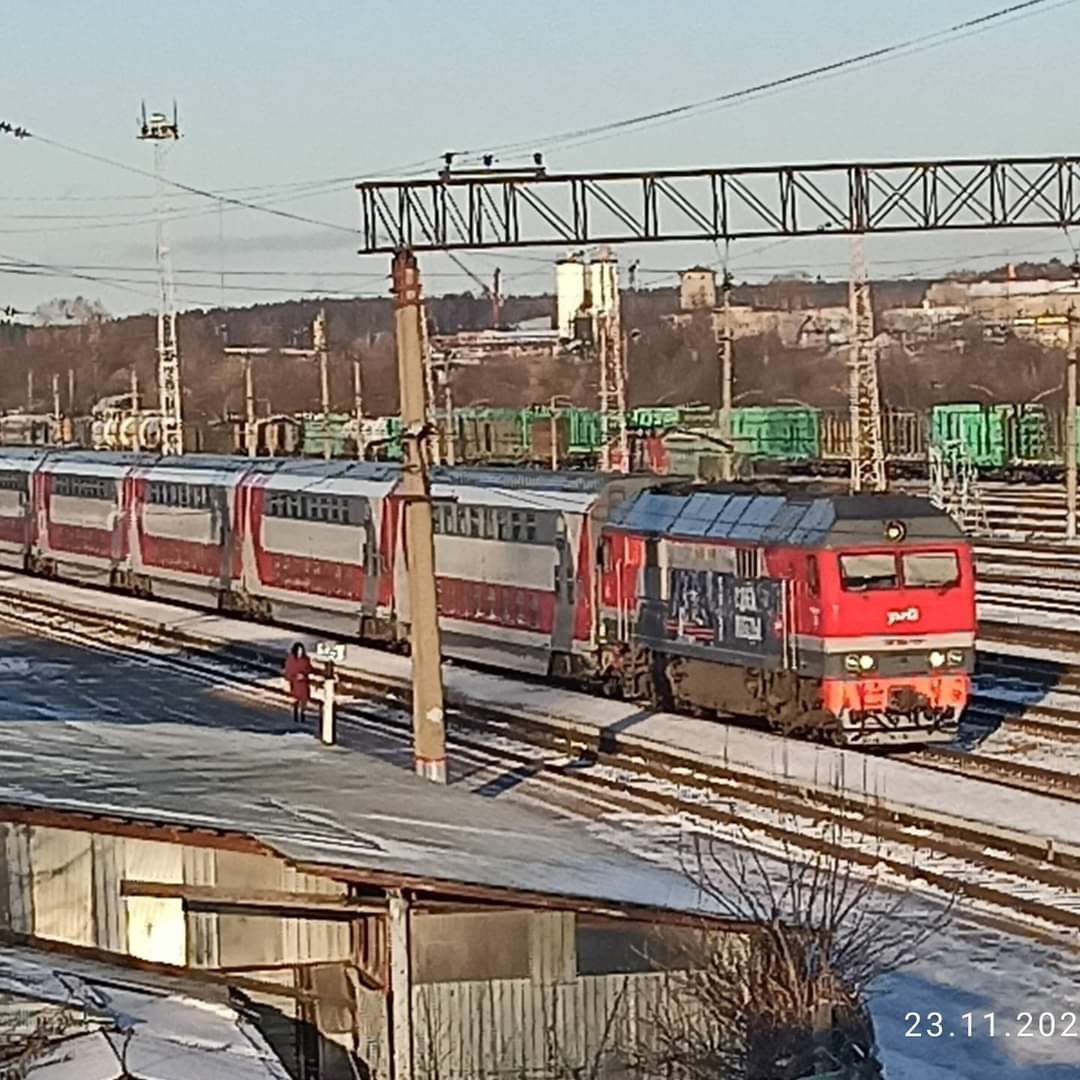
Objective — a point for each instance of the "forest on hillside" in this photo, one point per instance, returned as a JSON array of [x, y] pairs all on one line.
[[665, 365]]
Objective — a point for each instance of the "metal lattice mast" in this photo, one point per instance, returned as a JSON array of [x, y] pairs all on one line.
[[864, 398], [428, 359], [612, 346], [163, 133]]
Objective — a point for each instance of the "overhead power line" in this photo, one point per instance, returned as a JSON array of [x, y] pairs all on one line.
[[919, 43]]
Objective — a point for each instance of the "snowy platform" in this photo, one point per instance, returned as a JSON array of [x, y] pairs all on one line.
[[707, 744]]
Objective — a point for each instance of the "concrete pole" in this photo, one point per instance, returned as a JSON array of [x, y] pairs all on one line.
[[429, 732], [448, 403], [30, 390], [1070, 430], [319, 336], [601, 337], [727, 380], [57, 413], [358, 406], [250, 436], [554, 438], [136, 443], [71, 391]]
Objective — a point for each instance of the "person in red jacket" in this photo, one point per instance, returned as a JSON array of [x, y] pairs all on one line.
[[298, 672]]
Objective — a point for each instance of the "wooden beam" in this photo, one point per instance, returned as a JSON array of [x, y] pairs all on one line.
[[116, 825], [220, 898], [151, 967], [401, 1005]]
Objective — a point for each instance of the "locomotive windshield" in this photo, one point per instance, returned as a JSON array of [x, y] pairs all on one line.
[[913, 570], [860, 572], [930, 569]]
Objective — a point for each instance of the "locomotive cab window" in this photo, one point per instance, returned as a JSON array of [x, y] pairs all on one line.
[[930, 569], [862, 572]]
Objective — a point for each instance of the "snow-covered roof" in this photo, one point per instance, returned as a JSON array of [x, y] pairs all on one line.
[[334, 807], [160, 1029]]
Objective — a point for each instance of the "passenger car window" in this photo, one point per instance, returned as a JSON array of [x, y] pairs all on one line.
[[859, 572], [930, 569]]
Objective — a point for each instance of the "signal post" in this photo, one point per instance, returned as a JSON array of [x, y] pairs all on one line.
[[429, 730]]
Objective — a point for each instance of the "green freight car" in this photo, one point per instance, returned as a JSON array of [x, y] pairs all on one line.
[[777, 432], [997, 437], [332, 431]]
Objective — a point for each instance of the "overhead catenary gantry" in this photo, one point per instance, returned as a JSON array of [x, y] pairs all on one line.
[[484, 210], [499, 210]]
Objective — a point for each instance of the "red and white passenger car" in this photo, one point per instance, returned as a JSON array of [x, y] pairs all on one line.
[[851, 617]]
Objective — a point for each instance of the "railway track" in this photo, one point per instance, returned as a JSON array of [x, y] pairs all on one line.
[[1015, 882], [1008, 773]]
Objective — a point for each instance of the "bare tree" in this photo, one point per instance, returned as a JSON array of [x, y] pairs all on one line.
[[793, 1000], [24, 1042]]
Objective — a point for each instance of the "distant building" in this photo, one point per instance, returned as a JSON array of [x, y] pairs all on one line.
[[697, 289], [999, 301], [812, 328]]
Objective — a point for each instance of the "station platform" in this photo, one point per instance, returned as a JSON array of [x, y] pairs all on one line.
[[889, 784]]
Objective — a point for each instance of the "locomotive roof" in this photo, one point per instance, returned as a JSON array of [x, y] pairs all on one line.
[[509, 479], [787, 518]]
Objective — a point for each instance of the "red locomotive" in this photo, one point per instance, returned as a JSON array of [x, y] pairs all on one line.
[[849, 617]]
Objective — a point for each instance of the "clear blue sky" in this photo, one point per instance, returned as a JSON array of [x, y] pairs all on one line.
[[273, 93]]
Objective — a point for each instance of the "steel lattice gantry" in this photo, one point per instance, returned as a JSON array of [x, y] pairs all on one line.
[[474, 211]]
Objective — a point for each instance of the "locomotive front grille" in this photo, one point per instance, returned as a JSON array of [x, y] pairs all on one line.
[[906, 699]]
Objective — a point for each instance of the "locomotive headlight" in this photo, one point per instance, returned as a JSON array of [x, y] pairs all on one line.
[[859, 662], [937, 659], [956, 657]]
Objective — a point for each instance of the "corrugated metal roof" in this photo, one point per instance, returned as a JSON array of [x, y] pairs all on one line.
[[750, 517], [771, 517]]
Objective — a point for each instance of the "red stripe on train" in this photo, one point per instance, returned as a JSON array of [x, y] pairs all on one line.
[[301, 573], [15, 530], [500, 605]]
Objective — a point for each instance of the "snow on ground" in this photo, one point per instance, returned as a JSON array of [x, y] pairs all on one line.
[[970, 969], [965, 967], [711, 743]]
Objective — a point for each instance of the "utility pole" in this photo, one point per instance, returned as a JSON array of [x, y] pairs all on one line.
[[429, 731], [358, 407], [496, 299], [246, 354], [320, 351], [71, 391], [1070, 426], [30, 390], [157, 129], [135, 441], [727, 382], [448, 407], [57, 412], [318, 340], [867, 445]]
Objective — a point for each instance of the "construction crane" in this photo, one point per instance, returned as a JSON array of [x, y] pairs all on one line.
[[491, 210]]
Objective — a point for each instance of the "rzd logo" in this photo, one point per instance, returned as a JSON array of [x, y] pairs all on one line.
[[910, 614]]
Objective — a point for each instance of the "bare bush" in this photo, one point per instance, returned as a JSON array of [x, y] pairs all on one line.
[[820, 931]]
